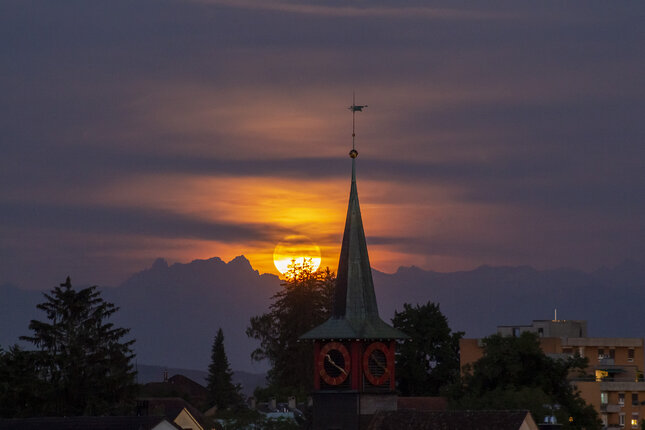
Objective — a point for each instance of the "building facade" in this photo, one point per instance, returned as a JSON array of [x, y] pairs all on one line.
[[613, 381]]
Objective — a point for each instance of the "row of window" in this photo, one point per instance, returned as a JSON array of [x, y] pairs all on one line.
[[635, 421], [604, 398], [621, 420], [611, 353]]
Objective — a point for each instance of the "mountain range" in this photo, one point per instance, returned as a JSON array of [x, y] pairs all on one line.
[[174, 311]]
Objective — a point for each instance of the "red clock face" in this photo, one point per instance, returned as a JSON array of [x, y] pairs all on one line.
[[376, 364], [334, 363]]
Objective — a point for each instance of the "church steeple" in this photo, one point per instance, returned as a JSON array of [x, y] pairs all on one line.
[[354, 297], [355, 311], [354, 350]]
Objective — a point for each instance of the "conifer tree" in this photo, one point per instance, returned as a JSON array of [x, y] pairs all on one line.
[[82, 359], [22, 392], [223, 393]]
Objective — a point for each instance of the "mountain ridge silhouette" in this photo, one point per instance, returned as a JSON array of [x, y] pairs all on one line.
[[175, 310]]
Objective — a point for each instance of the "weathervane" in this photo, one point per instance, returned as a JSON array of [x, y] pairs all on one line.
[[354, 108]]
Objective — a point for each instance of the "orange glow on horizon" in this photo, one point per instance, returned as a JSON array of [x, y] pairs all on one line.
[[266, 209]]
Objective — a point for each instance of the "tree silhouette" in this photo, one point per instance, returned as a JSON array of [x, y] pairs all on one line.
[[303, 303], [514, 373], [223, 393], [22, 392], [82, 359], [429, 360]]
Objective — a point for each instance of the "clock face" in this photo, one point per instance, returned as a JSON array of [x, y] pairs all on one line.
[[334, 363], [376, 364]]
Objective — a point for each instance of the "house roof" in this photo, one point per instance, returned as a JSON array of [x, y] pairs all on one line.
[[178, 386], [169, 407], [423, 403], [408, 419], [355, 312], [83, 423], [188, 385]]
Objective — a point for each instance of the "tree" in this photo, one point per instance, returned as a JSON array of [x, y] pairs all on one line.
[[303, 303], [514, 373], [430, 359], [22, 392], [82, 359], [223, 393]]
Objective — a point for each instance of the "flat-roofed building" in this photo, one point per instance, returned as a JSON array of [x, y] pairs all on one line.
[[547, 328], [614, 383]]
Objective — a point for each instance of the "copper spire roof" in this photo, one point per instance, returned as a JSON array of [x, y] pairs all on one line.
[[354, 312]]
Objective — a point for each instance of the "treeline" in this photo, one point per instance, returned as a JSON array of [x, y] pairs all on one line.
[[514, 373], [82, 364]]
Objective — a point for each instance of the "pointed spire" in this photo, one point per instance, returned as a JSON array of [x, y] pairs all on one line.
[[354, 295], [355, 311]]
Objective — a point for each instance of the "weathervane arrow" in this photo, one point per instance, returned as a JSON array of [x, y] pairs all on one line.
[[354, 108]]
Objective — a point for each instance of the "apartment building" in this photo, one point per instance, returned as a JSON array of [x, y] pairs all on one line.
[[613, 383]]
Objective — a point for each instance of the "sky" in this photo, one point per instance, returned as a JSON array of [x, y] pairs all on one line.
[[500, 133]]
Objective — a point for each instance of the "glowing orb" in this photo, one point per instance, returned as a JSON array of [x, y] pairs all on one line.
[[296, 251]]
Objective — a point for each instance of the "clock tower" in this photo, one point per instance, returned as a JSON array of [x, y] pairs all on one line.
[[354, 349]]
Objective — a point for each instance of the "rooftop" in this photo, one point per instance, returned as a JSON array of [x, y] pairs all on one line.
[[452, 420]]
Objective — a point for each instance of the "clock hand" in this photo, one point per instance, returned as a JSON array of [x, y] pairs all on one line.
[[328, 357], [379, 363]]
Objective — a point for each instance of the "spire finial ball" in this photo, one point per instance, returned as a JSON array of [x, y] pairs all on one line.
[[353, 153]]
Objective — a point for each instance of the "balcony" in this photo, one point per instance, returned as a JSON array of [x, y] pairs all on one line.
[[610, 408], [621, 385]]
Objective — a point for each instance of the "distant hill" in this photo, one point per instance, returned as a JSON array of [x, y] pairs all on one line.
[[174, 311], [477, 301], [17, 308]]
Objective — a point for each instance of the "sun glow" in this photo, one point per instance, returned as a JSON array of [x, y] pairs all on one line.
[[296, 251]]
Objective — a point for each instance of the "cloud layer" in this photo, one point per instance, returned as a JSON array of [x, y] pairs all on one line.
[[495, 134]]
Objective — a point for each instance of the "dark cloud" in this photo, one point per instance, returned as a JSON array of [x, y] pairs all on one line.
[[137, 221], [530, 109]]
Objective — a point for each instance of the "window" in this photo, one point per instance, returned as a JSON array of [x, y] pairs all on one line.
[[630, 354], [621, 398], [540, 332], [516, 331], [635, 420], [612, 353], [601, 353], [567, 351], [604, 398], [621, 420], [634, 399]]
